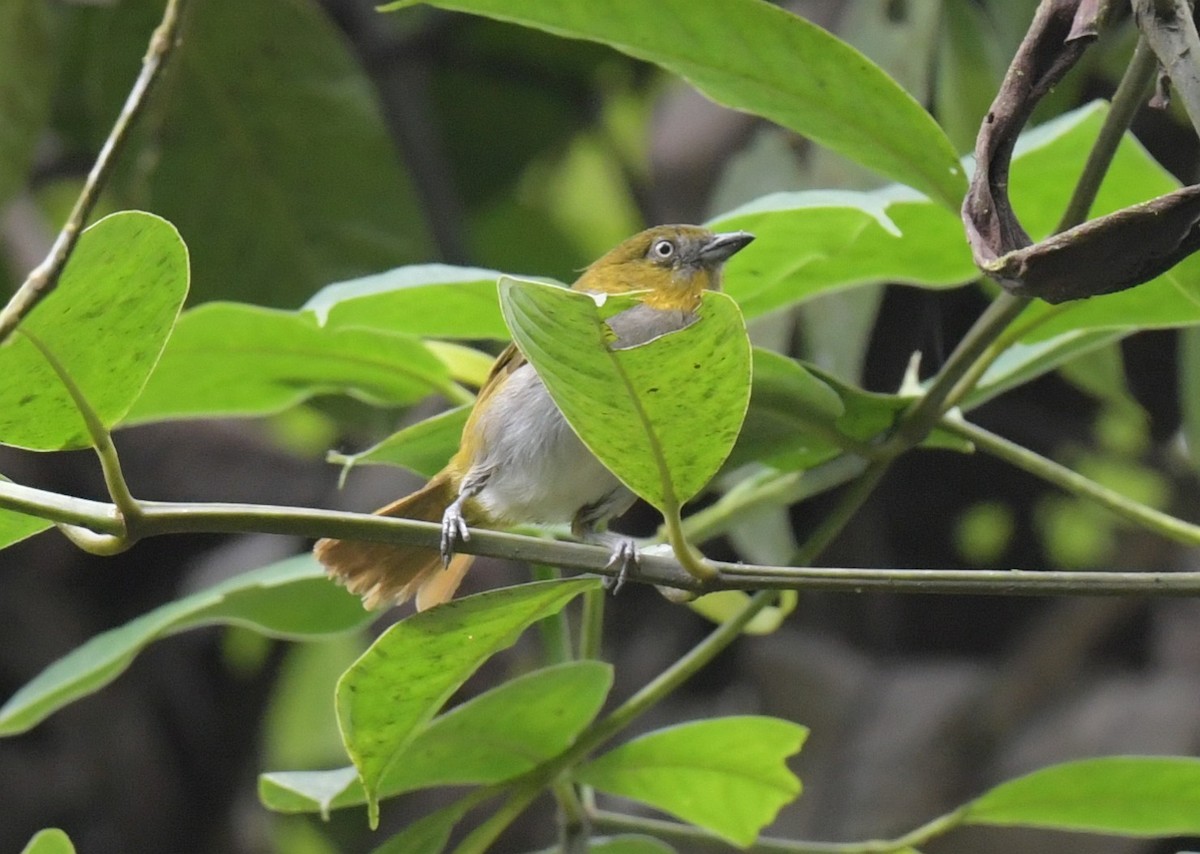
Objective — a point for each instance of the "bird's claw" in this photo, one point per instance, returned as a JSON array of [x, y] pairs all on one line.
[[624, 557], [454, 531]]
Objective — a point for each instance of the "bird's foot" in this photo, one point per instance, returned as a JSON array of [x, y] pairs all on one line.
[[625, 557], [454, 531]]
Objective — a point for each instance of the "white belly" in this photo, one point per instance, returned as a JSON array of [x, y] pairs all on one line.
[[539, 471]]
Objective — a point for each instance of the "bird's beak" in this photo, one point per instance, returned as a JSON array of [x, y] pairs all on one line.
[[722, 246]]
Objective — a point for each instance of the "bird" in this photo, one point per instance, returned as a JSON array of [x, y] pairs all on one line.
[[519, 461]]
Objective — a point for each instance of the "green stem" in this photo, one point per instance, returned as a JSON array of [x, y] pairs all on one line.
[[573, 819], [671, 830], [524, 791], [555, 630], [1126, 101], [591, 625], [1075, 483], [159, 518], [44, 278], [687, 554], [92, 541], [769, 487], [834, 523]]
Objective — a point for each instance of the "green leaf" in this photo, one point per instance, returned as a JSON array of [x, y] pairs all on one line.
[[291, 599], [277, 162], [1047, 158], [232, 359], [424, 447], [800, 416], [410, 671], [27, 57], [427, 299], [724, 604], [49, 841], [753, 56], [495, 736], [1123, 795], [106, 323], [727, 775], [813, 241], [969, 70], [15, 527], [637, 408], [427, 835]]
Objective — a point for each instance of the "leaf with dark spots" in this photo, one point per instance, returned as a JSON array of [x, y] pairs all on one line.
[[1107, 254]]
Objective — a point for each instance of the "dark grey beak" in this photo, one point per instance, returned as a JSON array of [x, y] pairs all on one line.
[[723, 246]]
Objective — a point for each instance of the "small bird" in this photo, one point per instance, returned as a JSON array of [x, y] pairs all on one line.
[[518, 460]]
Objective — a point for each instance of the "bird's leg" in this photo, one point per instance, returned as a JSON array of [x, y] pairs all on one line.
[[454, 522], [624, 556]]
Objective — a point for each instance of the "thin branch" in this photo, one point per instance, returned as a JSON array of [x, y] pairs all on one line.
[[1131, 93], [44, 278], [162, 518], [1075, 483], [605, 820]]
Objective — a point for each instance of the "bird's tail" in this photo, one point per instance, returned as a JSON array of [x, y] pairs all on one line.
[[388, 572]]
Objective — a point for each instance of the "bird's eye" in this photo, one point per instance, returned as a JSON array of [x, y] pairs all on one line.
[[662, 249]]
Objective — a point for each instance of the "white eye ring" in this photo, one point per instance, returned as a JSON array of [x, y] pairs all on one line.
[[662, 249]]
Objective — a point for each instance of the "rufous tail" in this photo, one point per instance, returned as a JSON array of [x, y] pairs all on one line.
[[389, 573]]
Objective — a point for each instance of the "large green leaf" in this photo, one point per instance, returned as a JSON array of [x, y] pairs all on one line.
[[388, 695], [495, 736], [274, 160], [106, 324], [234, 359], [757, 57], [800, 416], [15, 527], [637, 408], [814, 241], [424, 447], [728, 775], [49, 841], [1125, 795], [291, 599], [427, 299], [426, 835], [26, 78]]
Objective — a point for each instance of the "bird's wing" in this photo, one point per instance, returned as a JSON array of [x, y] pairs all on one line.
[[504, 366]]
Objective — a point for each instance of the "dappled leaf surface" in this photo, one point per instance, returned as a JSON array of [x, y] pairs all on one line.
[[637, 408], [494, 736], [728, 775], [756, 57], [234, 359], [437, 300], [291, 599], [424, 447], [106, 323], [415, 666]]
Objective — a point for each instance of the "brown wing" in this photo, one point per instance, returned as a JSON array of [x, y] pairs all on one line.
[[504, 366]]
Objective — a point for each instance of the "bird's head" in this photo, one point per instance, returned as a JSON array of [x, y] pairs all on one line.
[[675, 263]]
